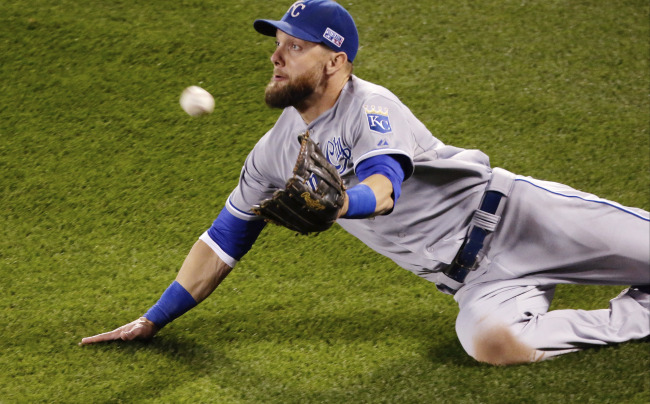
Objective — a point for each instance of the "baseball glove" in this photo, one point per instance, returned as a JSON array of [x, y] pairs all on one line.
[[298, 206]]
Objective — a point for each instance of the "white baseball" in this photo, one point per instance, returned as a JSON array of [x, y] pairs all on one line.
[[196, 101]]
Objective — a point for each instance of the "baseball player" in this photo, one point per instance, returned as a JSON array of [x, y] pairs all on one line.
[[496, 241]]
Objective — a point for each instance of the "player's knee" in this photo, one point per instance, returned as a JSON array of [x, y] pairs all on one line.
[[495, 344]]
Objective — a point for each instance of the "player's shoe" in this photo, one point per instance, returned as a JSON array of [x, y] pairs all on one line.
[[642, 288], [640, 293]]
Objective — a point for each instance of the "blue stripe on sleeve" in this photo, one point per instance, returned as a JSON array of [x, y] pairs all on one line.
[[386, 165], [233, 235]]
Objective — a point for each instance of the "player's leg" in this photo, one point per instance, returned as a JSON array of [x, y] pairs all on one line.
[[501, 323], [627, 318], [489, 316], [551, 234]]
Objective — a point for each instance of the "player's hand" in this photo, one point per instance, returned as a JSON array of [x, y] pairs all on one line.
[[138, 329]]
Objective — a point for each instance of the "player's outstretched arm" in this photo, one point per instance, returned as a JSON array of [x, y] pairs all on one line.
[[199, 276]]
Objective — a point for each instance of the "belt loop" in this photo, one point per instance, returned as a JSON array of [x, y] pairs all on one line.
[[484, 221], [502, 181]]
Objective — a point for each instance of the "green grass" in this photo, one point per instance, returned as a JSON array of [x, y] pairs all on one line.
[[106, 184]]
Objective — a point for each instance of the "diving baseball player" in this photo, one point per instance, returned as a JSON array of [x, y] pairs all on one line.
[[496, 241]]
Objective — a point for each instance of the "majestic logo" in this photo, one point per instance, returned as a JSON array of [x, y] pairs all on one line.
[[333, 37], [337, 154], [296, 8], [378, 119]]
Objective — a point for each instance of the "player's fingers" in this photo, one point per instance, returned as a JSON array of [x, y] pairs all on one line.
[[107, 336], [138, 329]]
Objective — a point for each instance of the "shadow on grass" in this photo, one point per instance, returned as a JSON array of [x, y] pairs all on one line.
[[436, 369], [357, 325]]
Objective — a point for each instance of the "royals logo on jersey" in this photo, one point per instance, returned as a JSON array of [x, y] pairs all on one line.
[[338, 154], [378, 119]]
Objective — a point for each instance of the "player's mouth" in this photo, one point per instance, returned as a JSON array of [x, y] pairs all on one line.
[[279, 77]]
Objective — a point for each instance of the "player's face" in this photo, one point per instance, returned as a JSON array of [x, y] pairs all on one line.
[[298, 71]]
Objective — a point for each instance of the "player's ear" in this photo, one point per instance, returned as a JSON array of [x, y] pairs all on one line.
[[336, 62]]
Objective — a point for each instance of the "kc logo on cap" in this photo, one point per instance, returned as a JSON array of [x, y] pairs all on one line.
[[296, 7]]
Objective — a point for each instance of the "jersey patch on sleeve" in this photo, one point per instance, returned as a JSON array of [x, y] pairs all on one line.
[[378, 119]]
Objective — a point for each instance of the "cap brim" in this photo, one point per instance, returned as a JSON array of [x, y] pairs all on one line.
[[269, 28]]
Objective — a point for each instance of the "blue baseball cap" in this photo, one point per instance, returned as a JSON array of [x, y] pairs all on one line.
[[320, 21]]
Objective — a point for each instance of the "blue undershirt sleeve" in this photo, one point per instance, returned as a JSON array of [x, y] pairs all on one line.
[[386, 165], [233, 235]]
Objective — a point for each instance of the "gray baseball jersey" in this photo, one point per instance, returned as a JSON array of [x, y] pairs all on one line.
[[429, 221]]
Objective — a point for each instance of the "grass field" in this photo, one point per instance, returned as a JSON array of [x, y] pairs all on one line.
[[106, 184]]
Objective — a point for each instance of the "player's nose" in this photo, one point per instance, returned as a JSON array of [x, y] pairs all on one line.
[[276, 58]]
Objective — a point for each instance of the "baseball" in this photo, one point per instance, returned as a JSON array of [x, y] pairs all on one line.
[[197, 101]]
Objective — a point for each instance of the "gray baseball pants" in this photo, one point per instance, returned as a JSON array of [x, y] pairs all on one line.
[[552, 234]]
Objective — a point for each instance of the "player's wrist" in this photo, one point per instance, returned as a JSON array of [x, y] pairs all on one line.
[[361, 202], [344, 207], [146, 321]]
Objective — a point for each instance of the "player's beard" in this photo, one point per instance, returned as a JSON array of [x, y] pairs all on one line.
[[295, 91]]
